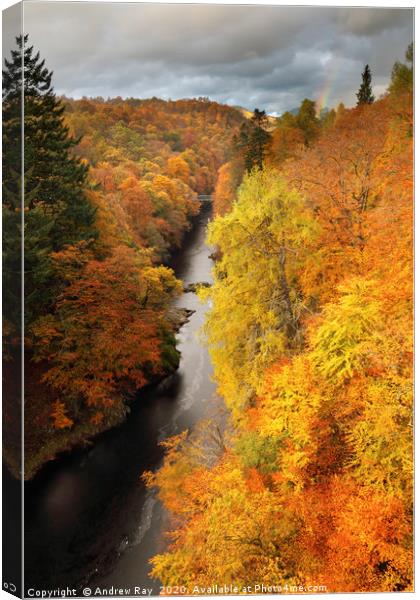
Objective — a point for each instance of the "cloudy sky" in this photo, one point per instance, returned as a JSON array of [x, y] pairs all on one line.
[[254, 56]]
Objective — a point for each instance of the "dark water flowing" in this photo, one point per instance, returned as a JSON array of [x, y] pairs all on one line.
[[89, 520]]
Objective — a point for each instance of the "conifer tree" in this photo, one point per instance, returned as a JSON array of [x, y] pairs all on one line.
[[254, 140], [364, 95], [56, 210]]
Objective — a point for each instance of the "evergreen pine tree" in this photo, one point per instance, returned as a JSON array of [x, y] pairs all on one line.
[[254, 139], [56, 209], [364, 95]]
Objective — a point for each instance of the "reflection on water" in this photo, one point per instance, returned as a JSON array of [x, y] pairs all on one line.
[[88, 517]]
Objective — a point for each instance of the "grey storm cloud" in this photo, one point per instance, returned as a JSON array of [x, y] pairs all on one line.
[[266, 56]]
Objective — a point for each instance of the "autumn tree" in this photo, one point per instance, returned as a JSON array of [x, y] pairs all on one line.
[[266, 232], [228, 180], [341, 187], [293, 131], [177, 167], [286, 139]]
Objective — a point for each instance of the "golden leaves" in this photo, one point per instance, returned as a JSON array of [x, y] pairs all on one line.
[[59, 416]]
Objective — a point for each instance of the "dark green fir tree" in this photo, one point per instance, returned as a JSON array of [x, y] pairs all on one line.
[[254, 139], [364, 95], [56, 211]]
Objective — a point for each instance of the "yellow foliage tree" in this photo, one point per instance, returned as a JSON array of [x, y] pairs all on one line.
[[256, 301]]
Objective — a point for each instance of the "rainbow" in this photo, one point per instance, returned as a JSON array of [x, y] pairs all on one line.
[[331, 69]]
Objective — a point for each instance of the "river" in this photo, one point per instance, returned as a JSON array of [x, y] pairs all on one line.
[[89, 521]]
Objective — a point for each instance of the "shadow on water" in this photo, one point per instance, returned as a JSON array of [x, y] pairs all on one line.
[[88, 518]]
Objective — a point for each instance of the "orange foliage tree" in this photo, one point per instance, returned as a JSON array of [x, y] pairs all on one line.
[[106, 338]]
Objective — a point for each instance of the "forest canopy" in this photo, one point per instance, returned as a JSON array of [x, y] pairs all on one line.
[[311, 336]]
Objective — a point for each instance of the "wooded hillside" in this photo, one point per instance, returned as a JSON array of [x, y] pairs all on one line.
[[310, 333]]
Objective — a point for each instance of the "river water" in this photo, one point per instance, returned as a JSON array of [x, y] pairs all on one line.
[[89, 521]]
